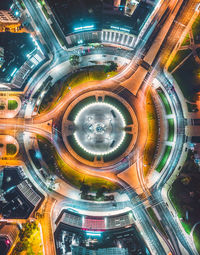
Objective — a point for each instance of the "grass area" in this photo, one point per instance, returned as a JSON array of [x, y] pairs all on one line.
[[120, 107], [22, 4], [79, 106], [164, 158], [41, 2], [120, 150], [178, 58], [30, 242], [186, 40], [175, 203], [164, 99], [155, 220], [187, 227], [171, 130], [79, 150], [75, 178], [184, 193], [63, 86], [11, 149], [196, 237], [150, 147], [180, 211], [196, 30], [188, 78], [45, 11], [12, 104]]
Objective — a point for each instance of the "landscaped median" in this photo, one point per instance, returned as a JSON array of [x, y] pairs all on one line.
[[42, 3], [164, 158], [165, 102], [58, 166], [11, 149], [8, 104], [8, 150], [8, 146], [156, 220], [152, 139], [170, 130], [12, 104]]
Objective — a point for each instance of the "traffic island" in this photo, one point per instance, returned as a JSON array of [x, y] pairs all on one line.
[[152, 138], [97, 128]]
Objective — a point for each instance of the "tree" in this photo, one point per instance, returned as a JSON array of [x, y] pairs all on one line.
[[21, 246], [74, 60], [2, 105], [111, 66], [100, 192], [84, 189]]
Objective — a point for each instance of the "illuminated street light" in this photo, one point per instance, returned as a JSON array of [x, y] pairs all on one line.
[[16, 13]]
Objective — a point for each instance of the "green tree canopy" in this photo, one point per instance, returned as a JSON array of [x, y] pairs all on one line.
[[74, 60], [111, 66]]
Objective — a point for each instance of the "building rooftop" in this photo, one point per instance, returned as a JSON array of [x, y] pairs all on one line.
[[8, 235], [20, 196], [16, 49], [12, 176], [102, 14]]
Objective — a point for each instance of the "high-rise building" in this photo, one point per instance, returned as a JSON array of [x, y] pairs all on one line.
[[7, 17], [8, 22], [8, 235]]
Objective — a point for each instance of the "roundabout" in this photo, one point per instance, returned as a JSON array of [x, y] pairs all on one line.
[[99, 128], [100, 134]]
